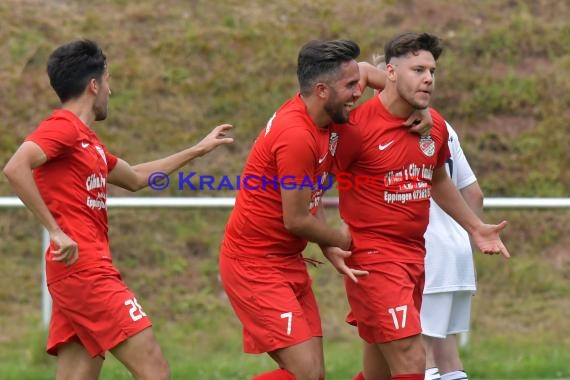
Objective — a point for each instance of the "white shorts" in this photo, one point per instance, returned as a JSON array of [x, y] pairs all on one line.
[[443, 314]]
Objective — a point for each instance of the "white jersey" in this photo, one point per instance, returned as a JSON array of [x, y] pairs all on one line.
[[449, 257]]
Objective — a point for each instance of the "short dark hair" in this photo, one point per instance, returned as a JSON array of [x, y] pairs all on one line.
[[321, 60], [71, 66], [406, 43]]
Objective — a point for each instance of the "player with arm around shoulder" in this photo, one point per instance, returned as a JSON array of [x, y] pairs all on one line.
[[388, 218], [277, 212]]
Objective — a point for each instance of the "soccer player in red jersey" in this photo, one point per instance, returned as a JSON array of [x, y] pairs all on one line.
[[278, 210], [61, 173], [388, 214]]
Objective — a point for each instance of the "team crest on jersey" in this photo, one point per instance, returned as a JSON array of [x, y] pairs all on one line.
[[427, 145], [333, 141], [101, 153]]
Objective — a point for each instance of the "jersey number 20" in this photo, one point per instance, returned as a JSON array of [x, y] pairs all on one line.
[[136, 310]]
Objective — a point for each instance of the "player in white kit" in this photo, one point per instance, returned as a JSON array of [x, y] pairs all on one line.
[[449, 274]]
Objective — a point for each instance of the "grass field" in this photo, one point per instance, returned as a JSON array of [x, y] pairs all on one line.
[[213, 352], [518, 331]]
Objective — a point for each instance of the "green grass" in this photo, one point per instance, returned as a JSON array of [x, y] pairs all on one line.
[[517, 357], [213, 351], [519, 314]]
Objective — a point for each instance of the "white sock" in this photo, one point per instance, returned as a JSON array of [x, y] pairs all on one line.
[[432, 374], [455, 375]]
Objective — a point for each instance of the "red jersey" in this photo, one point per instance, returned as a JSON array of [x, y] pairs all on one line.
[[292, 151], [73, 184], [384, 177]]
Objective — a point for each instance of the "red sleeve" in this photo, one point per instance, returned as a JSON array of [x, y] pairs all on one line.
[[348, 148], [54, 137], [111, 160], [439, 122], [295, 154]]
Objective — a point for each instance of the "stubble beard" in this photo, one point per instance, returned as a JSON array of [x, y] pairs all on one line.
[[100, 113], [338, 115]]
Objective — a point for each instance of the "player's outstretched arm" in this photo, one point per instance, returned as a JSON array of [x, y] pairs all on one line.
[[485, 236], [371, 76], [473, 196], [488, 240], [136, 177]]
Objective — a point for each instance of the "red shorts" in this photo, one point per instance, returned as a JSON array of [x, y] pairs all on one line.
[[273, 299], [95, 307], [385, 305]]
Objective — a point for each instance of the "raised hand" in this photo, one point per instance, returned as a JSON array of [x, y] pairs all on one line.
[[488, 240], [215, 138]]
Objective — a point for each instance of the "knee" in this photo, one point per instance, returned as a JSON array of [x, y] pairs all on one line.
[[412, 345], [412, 352]]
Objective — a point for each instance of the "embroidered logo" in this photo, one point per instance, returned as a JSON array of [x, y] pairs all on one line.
[[333, 141], [384, 146], [427, 145]]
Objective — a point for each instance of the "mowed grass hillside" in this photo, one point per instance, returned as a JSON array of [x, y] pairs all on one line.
[[178, 68]]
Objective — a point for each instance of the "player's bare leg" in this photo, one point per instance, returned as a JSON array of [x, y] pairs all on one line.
[[142, 355], [446, 355], [304, 360], [75, 363], [374, 364], [405, 356], [432, 369]]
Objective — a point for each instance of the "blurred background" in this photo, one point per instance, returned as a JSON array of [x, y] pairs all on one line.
[[180, 67]]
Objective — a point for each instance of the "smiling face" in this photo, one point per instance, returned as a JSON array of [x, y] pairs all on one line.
[[343, 92], [414, 76]]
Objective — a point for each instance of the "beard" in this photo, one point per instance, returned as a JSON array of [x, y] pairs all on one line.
[[337, 113], [100, 113]]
